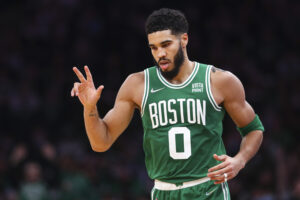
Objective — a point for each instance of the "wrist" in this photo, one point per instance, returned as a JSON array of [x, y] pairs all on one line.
[[90, 110], [240, 158]]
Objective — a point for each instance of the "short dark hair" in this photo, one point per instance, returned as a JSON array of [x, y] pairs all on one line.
[[167, 19]]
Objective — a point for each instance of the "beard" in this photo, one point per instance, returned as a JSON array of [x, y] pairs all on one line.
[[178, 61]]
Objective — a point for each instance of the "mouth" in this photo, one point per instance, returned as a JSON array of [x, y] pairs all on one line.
[[164, 64]]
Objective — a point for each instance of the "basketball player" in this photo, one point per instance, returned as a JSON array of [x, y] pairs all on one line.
[[182, 105]]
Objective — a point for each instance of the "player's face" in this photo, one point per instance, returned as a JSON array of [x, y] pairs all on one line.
[[167, 52]]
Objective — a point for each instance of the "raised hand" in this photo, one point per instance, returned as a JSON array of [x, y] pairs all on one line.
[[226, 170], [85, 89]]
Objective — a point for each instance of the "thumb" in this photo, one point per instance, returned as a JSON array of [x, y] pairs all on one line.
[[99, 90], [219, 158]]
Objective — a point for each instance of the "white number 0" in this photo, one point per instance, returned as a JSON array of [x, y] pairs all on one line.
[[186, 143]]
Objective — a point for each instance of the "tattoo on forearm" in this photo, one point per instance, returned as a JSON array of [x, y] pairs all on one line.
[[214, 69], [93, 114]]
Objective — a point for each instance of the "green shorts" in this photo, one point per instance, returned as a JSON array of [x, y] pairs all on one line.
[[203, 191]]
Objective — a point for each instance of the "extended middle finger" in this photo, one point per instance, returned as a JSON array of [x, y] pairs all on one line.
[[88, 74]]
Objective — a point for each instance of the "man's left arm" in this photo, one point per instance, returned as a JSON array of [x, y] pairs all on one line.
[[233, 96]]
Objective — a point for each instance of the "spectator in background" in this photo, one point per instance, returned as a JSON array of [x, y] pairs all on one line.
[[33, 186], [74, 183], [296, 190]]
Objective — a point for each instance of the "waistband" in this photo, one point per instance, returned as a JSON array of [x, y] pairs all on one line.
[[171, 186]]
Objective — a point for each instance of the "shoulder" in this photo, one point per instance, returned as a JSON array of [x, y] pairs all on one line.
[[134, 81], [227, 84], [221, 77], [135, 78], [133, 87]]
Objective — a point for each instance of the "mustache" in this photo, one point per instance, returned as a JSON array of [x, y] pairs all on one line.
[[163, 59]]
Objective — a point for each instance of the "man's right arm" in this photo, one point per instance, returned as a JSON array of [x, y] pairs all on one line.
[[102, 133]]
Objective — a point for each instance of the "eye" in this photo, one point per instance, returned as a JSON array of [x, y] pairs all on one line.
[[164, 45], [152, 48]]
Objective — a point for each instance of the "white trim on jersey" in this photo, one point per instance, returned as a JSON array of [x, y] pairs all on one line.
[[146, 90], [208, 90], [181, 85]]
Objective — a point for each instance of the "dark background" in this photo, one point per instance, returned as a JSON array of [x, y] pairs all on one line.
[[44, 151]]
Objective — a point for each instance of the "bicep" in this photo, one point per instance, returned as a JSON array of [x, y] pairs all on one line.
[[119, 117], [235, 103]]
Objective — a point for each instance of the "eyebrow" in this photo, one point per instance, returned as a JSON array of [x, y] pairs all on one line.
[[163, 42]]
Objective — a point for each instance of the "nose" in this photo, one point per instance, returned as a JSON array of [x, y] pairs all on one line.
[[161, 53]]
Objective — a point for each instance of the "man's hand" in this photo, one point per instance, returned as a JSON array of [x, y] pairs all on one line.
[[85, 90], [230, 165]]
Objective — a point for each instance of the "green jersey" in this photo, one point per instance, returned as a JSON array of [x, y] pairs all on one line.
[[182, 126]]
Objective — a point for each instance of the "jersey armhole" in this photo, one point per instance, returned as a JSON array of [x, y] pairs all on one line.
[[208, 89], [146, 91]]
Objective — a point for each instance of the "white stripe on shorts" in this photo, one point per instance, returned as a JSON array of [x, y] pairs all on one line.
[[224, 191]]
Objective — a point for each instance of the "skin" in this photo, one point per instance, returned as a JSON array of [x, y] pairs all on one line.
[[227, 90]]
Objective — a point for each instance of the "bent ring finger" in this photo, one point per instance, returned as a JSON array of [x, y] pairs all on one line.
[[218, 178], [225, 177]]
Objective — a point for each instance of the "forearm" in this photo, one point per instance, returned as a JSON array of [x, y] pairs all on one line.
[[96, 130], [249, 146]]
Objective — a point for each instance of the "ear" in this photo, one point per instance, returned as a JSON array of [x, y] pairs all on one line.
[[184, 40]]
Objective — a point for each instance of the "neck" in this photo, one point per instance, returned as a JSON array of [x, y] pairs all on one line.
[[185, 70]]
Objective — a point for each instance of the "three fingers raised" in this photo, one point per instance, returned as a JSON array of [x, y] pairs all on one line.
[[88, 79]]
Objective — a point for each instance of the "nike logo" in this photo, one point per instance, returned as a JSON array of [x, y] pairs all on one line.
[[153, 91], [209, 193]]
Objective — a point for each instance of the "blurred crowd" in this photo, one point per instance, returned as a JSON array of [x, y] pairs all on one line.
[[44, 151]]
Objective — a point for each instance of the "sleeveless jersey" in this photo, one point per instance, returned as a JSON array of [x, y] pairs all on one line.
[[182, 126]]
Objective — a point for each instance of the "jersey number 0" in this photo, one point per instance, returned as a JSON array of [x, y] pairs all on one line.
[[186, 143]]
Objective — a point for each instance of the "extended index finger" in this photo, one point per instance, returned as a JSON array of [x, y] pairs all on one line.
[[79, 75]]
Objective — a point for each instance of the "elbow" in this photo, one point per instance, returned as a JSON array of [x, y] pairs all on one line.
[[101, 144], [261, 136], [97, 148], [100, 149]]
